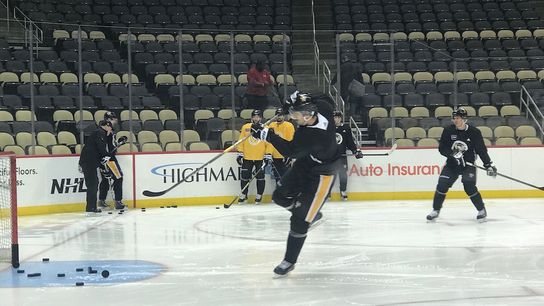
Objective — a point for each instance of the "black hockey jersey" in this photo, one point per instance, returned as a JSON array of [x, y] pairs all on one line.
[[95, 148], [471, 136], [314, 144], [344, 139]]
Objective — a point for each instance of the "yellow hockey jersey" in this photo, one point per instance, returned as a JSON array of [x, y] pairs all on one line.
[[253, 149], [285, 130]]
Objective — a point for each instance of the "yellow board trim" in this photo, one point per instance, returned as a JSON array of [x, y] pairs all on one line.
[[220, 200]]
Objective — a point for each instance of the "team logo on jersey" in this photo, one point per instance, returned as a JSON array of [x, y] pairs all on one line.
[[454, 137], [339, 138]]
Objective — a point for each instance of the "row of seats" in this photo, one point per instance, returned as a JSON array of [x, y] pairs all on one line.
[[501, 135], [442, 112], [502, 141], [235, 3], [437, 36], [412, 16]]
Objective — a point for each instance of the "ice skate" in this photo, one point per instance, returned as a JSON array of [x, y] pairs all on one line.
[[242, 199], [95, 213], [283, 268], [481, 216], [258, 199], [103, 204], [433, 215], [119, 205], [344, 195]]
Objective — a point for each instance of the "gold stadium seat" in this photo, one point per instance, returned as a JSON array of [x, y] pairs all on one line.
[[403, 143], [167, 136], [435, 132], [528, 141], [36, 150], [173, 146], [147, 136], [167, 114], [148, 114], [505, 141], [23, 139], [199, 146], [428, 142], [66, 138], [151, 147], [60, 150], [504, 131], [15, 149], [190, 136], [6, 140], [416, 133], [525, 131], [227, 139], [46, 139], [125, 148]]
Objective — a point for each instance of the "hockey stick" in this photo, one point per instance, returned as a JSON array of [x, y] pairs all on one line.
[[393, 148], [508, 177], [149, 193], [246, 186]]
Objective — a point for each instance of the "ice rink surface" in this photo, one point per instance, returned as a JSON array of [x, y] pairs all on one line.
[[364, 253]]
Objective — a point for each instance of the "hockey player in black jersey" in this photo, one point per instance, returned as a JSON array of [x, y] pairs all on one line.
[[307, 183], [344, 139], [460, 143], [112, 170]]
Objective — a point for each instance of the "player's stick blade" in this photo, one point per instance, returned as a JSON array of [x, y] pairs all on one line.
[[226, 205], [149, 193]]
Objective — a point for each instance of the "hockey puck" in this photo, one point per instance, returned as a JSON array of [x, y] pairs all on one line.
[[45, 259], [61, 275], [109, 213], [80, 284], [120, 212], [79, 269], [20, 271], [167, 206], [105, 274], [34, 274], [174, 206], [217, 207], [162, 206]]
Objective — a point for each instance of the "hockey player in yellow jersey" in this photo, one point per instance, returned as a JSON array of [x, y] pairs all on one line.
[[253, 156], [285, 130]]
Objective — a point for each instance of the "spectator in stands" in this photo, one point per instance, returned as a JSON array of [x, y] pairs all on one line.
[[259, 82], [351, 79]]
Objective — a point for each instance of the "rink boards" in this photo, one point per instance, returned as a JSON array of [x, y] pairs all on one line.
[[48, 184]]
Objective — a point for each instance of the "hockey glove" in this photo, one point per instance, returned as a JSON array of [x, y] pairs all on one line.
[[104, 160], [267, 159], [289, 102], [240, 158], [491, 170], [122, 140], [358, 154], [258, 131], [459, 159]]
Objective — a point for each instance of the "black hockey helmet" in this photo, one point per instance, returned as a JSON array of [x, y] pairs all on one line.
[[337, 114], [279, 112], [256, 112], [105, 123], [460, 112], [108, 116], [302, 102]]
